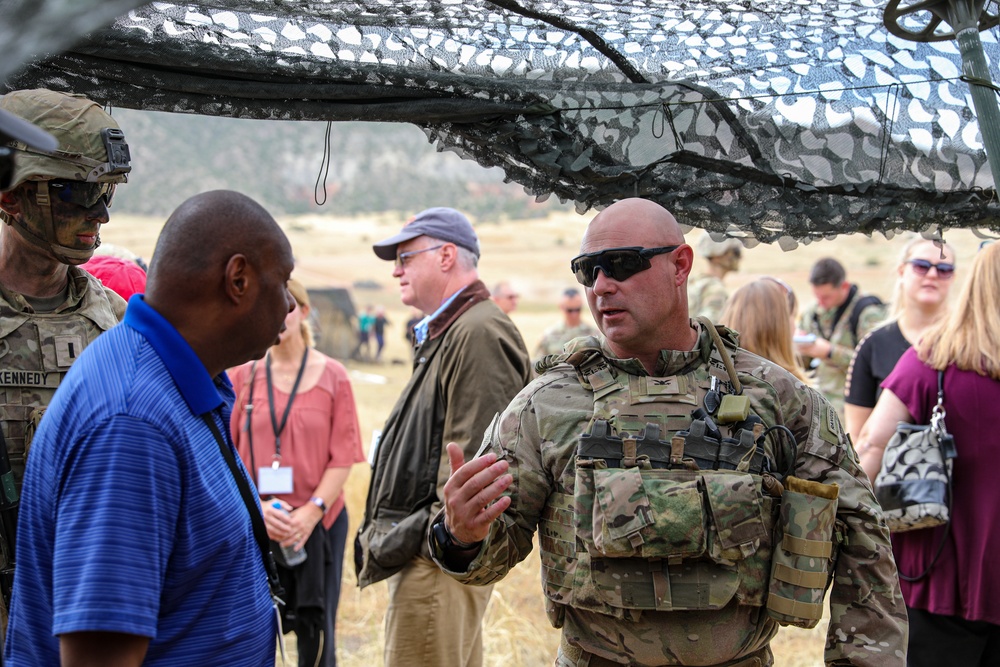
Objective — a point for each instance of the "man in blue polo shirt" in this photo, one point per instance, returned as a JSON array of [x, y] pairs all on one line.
[[135, 546]]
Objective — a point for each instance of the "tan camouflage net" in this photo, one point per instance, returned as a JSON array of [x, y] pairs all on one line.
[[776, 119]]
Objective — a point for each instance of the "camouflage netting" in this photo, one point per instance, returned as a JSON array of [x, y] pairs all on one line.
[[777, 119]]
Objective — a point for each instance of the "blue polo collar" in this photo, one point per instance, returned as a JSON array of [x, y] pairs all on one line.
[[186, 369]]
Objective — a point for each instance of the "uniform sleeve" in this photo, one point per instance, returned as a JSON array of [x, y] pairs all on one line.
[[514, 437], [871, 318], [118, 304], [861, 389], [713, 302], [867, 616], [114, 529], [345, 434]]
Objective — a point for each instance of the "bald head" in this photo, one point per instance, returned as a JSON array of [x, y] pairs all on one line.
[[640, 221], [219, 274], [203, 233]]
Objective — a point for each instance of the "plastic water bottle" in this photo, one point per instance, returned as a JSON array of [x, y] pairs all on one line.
[[289, 554]]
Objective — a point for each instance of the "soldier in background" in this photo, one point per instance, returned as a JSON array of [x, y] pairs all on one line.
[[642, 460], [572, 326], [831, 328], [707, 293], [50, 310], [504, 297]]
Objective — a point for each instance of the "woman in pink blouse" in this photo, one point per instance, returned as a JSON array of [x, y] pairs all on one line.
[[295, 426]]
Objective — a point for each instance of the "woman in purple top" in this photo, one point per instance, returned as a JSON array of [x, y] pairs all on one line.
[[955, 610]]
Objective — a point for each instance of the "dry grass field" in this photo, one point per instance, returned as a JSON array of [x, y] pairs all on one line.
[[535, 257]]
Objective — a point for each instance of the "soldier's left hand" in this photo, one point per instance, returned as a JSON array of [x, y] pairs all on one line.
[[818, 349], [472, 495]]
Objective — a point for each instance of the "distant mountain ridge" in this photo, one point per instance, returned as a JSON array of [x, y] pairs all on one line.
[[373, 168]]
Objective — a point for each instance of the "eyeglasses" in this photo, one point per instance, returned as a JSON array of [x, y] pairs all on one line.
[[82, 193], [572, 310], [402, 258], [922, 266], [619, 264]]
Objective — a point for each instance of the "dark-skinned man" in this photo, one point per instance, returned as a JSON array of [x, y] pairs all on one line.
[[141, 541], [674, 528]]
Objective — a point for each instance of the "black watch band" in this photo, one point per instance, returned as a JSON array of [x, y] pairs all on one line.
[[447, 542]]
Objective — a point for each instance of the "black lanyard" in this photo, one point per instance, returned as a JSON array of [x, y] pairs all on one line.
[[275, 426], [253, 507]]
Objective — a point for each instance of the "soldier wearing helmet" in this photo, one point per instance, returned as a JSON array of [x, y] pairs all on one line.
[[707, 294], [54, 200]]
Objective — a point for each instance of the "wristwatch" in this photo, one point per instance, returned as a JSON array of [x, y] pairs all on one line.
[[318, 502], [447, 542]]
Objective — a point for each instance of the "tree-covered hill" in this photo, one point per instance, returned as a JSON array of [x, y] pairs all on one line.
[[373, 167]]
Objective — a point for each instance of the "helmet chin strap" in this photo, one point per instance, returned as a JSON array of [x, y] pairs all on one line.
[[64, 254]]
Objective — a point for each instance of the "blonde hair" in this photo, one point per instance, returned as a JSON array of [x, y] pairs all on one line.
[[301, 296], [969, 337], [898, 304], [759, 312]]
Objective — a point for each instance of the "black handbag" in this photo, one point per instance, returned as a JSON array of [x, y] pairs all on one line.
[[914, 485]]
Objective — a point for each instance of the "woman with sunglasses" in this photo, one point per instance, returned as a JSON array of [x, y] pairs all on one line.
[[924, 277], [295, 426], [954, 610]]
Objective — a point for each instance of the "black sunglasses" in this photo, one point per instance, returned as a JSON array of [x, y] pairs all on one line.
[[619, 264], [81, 193], [922, 266]]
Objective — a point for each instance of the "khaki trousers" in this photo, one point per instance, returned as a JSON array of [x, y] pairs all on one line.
[[432, 620]]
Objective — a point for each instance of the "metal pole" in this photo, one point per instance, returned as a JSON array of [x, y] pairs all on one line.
[[984, 97]]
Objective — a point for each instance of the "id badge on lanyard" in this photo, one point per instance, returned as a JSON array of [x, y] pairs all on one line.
[[274, 479]]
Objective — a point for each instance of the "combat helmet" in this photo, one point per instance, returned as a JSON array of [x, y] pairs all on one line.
[[709, 248], [91, 150]]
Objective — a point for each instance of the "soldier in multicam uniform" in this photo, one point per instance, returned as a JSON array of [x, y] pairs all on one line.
[[572, 326], [689, 496], [707, 294], [840, 318], [50, 310]]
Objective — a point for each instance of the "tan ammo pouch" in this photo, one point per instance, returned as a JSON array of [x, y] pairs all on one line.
[[803, 552], [655, 513], [668, 540]]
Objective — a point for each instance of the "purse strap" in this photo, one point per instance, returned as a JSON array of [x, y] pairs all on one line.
[[947, 452]]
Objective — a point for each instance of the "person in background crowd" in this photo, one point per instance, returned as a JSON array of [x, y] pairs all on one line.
[[137, 544], [631, 562], [761, 312], [505, 297], [841, 317], [124, 276], [924, 278], [707, 293], [954, 610], [58, 187], [296, 409], [470, 361], [415, 317], [572, 325], [378, 328], [366, 322]]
